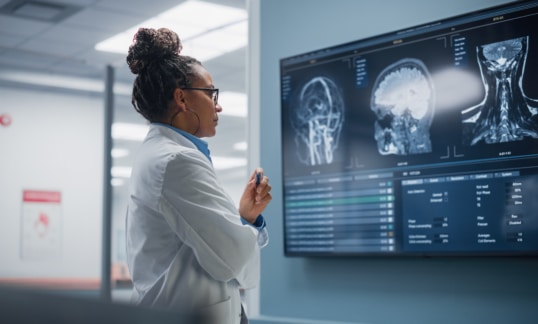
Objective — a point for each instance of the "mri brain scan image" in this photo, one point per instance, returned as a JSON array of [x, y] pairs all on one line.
[[505, 114], [403, 102], [318, 121]]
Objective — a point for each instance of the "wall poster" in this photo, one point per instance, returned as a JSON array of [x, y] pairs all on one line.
[[41, 225]]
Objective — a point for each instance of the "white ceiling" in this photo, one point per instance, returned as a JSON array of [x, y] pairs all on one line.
[[66, 48]]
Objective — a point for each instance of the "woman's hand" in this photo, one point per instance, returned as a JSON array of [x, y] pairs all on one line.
[[255, 197]]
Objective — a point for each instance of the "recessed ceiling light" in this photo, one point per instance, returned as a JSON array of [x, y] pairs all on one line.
[[120, 172], [119, 152], [128, 131], [240, 146], [233, 104], [223, 29]]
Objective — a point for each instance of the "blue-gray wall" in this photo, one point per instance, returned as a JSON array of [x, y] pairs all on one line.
[[369, 290]]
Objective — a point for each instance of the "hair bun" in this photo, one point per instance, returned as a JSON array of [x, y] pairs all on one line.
[[152, 45]]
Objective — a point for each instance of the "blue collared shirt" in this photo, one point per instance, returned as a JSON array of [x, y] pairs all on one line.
[[200, 144]]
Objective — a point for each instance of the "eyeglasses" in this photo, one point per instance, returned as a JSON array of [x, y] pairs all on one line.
[[214, 93]]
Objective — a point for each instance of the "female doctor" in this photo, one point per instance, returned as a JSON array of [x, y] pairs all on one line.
[[189, 248]]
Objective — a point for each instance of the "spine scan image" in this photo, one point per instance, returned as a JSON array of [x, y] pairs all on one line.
[[505, 114], [403, 102], [318, 121]]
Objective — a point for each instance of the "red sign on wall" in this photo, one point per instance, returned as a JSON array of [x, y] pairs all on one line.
[[41, 224]]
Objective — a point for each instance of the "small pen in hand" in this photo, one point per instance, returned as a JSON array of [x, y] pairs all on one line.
[[258, 178]]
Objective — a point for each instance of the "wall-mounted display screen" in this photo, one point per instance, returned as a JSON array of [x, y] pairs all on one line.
[[419, 142]]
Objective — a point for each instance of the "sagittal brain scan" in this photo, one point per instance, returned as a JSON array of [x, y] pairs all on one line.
[[506, 114], [318, 121], [402, 100]]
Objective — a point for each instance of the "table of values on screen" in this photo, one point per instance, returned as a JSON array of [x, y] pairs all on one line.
[[471, 212], [340, 214]]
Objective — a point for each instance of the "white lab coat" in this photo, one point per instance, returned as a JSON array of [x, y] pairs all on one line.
[[187, 249]]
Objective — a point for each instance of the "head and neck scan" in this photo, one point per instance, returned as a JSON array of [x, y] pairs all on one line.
[[403, 102], [318, 121], [505, 114]]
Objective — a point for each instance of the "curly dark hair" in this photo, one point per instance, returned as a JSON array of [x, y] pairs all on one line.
[[154, 56]]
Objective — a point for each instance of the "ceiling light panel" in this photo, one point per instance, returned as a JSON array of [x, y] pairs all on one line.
[[128, 131], [240, 146], [202, 14], [233, 104], [206, 30]]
